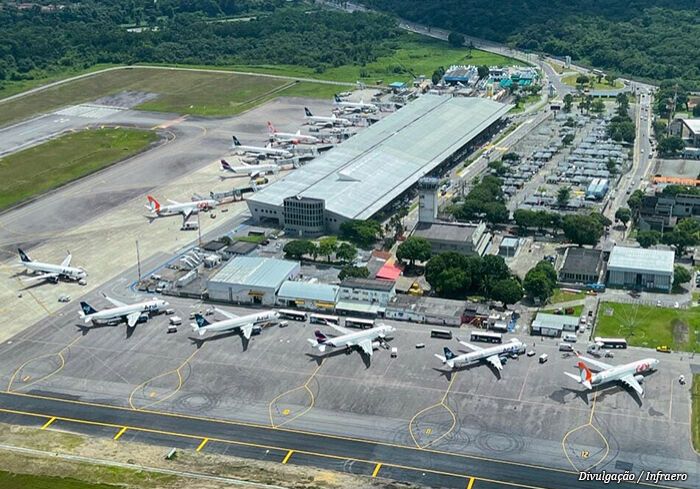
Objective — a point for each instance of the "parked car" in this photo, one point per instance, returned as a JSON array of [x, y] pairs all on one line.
[[531, 353], [663, 348], [64, 298]]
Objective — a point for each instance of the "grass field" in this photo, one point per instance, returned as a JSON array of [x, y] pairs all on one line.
[[21, 481], [651, 326], [61, 160], [695, 419], [564, 296], [593, 83]]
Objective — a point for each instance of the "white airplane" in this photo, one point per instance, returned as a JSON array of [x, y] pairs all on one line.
[[244, 323], [249, 170], [184, 208], [628, 373], [366, 340], [331, 121], [50, 271], [290, 137], [263, 152], [491, 354], [131, 313], [360, 106]]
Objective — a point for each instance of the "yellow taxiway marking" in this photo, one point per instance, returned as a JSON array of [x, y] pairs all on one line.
[[26, 378], [286, 457], [51, 374], [429, 431], [585, 454], [201, 445], [376, 470], [169, 123], [48, 423], [286, 412], [121, 432], [471, 483]]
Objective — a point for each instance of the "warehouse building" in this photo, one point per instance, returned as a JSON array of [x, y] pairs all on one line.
[[467, 239], [553, 324], [364, 175], [364, 296], [581, 266], [422, 309], [307, 295], [251, 280], [640, 268]]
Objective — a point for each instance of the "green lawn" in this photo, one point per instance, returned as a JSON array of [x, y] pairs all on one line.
[[61, 160], [593, 83], [695, 420], [10, 87], [526, 102], [23, 481], [650, 326], [564, 296]]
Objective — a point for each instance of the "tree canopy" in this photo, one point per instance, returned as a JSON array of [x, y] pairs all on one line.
[[414, 249], [540, 281], [362, 233]]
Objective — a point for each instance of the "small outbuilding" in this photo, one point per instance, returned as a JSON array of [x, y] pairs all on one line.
[[553, 324], [581, 266], [307, 295]]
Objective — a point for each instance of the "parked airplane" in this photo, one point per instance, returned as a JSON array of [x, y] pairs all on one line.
[[263, 152], [491, 354], [244, 323], [628, 373], [249, 170], [331, 121], [366, 340], [360, 106], [50, 271], [131, 313], [289, 137], [184, 208]]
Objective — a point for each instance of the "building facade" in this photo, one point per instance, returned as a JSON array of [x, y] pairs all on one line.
[[251, 280], [467, 239], [640, 268]]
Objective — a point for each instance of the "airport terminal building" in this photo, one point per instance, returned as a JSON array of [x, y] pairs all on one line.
[[364, 175]]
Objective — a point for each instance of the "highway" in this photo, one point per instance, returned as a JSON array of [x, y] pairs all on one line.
[[426, 466]]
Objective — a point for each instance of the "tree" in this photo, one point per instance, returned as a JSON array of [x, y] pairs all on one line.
[[611, 165], [355, 272], [437, 75], [568, 101], [508, 291], [496, 212], [681, 275], [696, 110], [414, 248], [648, 238], [582, 229], [449, 274], [297, 248], [455, 39], [567, 139], [671, 146], [623, 215], [327, 246], [482, 71], [582, 80], [361, 233], [563, 196], [634, 202], [346, 252], [537, 285], [598, 106], [684, 234], [604, 221], [623, 103]]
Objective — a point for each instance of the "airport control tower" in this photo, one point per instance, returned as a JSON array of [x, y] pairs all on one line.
[[428, 199]]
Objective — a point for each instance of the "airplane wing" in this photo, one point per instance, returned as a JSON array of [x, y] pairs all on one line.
[[254, 174], [173, 202], [340, 329], [469, 345], [596, 363], [495, 361], [247, 330], [114, 302], [366, 347], [186, 214], [44, 276], [66, 260], [630, 381], [132, 319], [224, 313]]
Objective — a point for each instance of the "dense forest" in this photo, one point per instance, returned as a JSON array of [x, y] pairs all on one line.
[[651, 39], [47, 39]]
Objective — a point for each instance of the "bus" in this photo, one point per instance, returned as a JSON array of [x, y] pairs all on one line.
[[610, 342], [292, 315], [441, 333], [487, 336], [323, 319], [359, 323]]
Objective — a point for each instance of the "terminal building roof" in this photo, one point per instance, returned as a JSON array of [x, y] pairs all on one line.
[[359, 177]]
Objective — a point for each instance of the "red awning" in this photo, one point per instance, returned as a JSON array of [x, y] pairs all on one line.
[[389, 271]]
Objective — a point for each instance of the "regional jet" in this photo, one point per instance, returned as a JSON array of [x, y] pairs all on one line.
[[184, 208], [289, 137], [630, 374], [494, 354], [249, 170], [331, 121], [243, 323], [131, 313], [366, 340], [50, 271], [360, 106], [262, 152]]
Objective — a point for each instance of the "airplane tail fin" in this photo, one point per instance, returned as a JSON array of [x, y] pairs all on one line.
[[200, 322], [236, 142], [23, 256], [584, 377], [448, 353], [336, 98], [225, 166], [247, 331], [271, 128], [308, 112], [320, 337], [154, 204], [86, 309]]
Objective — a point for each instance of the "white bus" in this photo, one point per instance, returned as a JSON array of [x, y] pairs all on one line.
[[487, 336], [359, 323], [445, 334], [323, 319], [610, 342], [293, 315]]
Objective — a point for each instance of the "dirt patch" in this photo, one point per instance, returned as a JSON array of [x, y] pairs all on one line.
[[54, 441], [681, 332]]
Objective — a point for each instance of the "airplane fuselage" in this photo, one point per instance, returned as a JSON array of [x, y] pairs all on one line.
[[616, 373], [476, 356], [69, 272], [287, 137], [122, 311], [193, 207], [353, 338], [228, 324], [281, 153]]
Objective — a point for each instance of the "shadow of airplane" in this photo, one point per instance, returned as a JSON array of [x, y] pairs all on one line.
[[199, 341]]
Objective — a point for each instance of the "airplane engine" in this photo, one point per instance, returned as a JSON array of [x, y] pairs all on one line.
[[639, 378], [376, 345]]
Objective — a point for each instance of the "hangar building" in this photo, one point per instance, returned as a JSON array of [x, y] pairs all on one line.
[[251, 280], [364, 175], [641, 268]]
